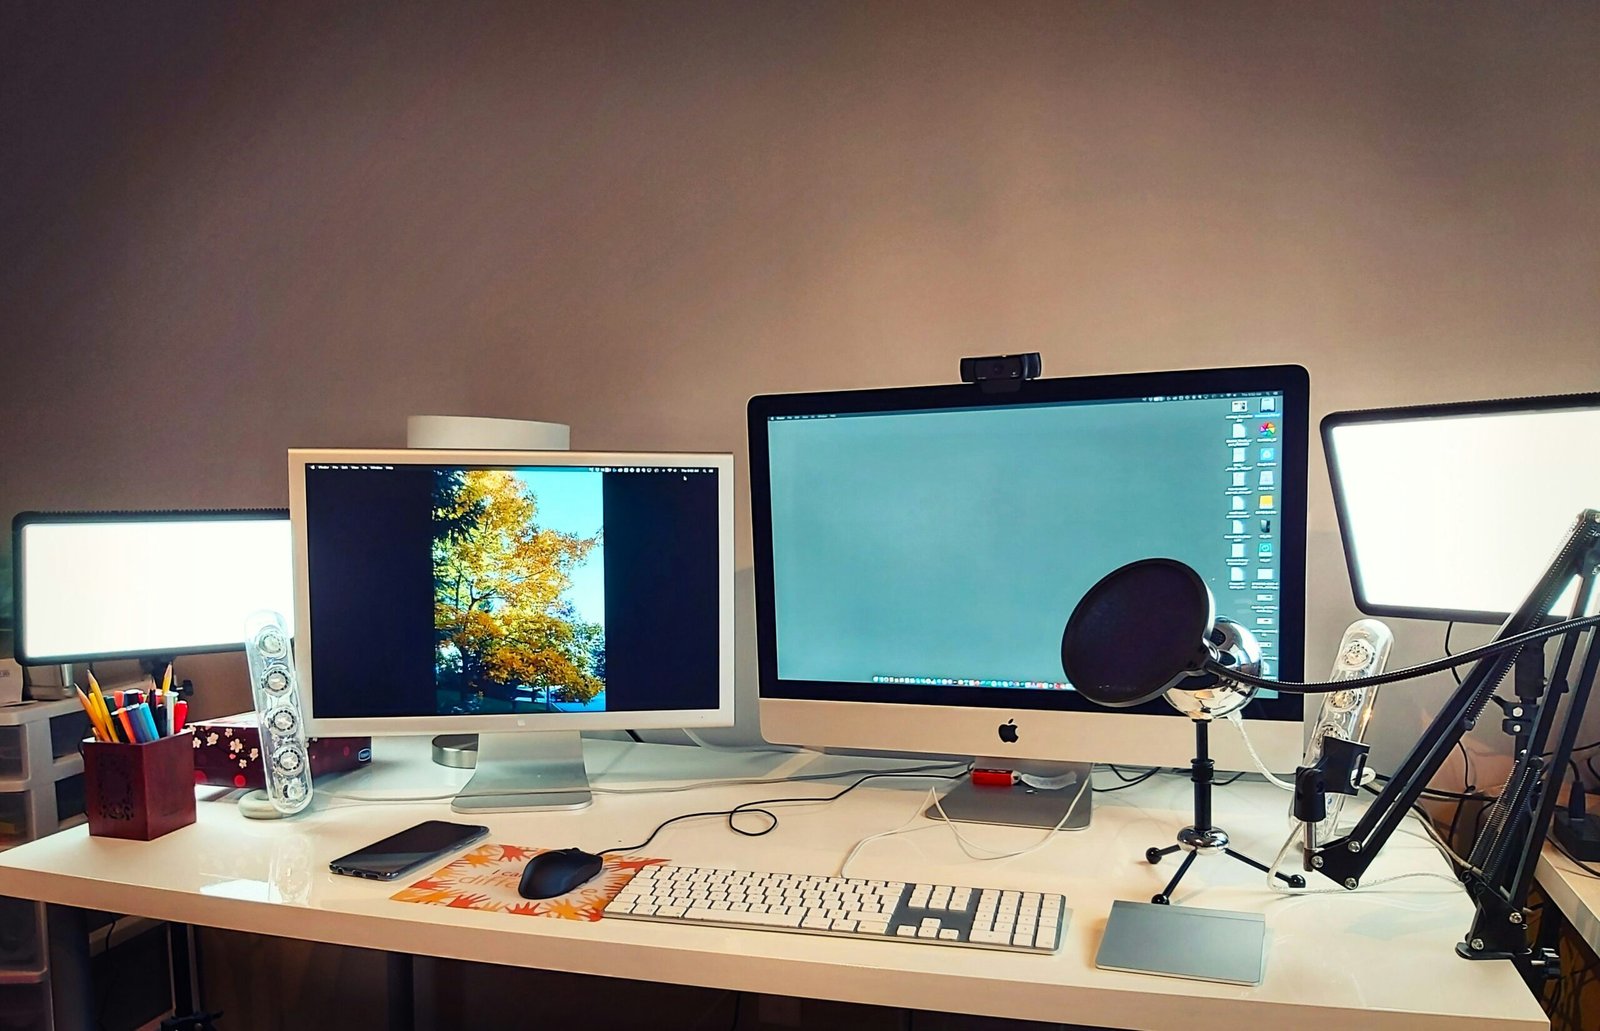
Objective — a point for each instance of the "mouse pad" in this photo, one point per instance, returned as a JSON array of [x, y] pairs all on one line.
[[487, 878]]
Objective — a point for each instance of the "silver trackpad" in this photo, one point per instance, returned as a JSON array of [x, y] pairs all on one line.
[[1181, 941]]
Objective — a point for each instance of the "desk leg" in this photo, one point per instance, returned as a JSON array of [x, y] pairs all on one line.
[[402, 1016], [71, 987], [178, 956]]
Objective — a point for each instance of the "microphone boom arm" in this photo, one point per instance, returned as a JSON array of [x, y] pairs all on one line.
[[1500, 869]]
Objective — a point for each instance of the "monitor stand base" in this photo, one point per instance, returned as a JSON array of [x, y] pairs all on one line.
[[523, 771], [458, 751], [1020, 805]]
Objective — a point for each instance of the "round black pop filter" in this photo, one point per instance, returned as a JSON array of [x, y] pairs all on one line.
[[1137, 632]]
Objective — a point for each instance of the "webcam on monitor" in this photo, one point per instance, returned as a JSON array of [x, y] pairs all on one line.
[[1001, 372]]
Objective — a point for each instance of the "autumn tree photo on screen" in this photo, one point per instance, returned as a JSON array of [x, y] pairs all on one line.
[[519, 591]]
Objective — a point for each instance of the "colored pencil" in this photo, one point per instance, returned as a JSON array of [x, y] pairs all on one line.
[[94, 717]]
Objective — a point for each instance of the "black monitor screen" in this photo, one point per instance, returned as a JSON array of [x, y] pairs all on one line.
[[928, 544], [441, 590]]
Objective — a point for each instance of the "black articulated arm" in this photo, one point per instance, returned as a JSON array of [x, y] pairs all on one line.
[[1500, 869]]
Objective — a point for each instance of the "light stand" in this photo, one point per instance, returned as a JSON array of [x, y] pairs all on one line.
[[1202, 838]]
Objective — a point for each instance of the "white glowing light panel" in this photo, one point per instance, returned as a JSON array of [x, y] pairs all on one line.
[[128, 586], [1455, 515]]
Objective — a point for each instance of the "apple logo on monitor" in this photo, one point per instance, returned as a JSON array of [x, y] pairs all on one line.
[[1008, 732]]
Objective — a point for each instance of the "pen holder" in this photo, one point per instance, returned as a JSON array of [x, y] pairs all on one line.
[[139, 792]]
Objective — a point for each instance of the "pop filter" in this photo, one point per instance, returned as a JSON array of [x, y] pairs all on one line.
[[1139, 631]]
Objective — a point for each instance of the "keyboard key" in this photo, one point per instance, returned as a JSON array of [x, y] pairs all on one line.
[[811, 904]]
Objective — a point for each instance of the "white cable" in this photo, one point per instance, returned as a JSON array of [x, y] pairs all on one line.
[[916, 814], [1238, 721], [966, 846]]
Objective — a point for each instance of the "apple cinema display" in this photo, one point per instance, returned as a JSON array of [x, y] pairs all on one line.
[[521, 596]]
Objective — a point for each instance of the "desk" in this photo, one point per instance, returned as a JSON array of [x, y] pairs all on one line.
[[1381, 960], [1574, 892]]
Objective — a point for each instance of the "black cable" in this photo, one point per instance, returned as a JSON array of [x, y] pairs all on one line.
[[1129, 782], [635, 735], [1410, 672], [1466, 772], [1447, 628], [1477, 823], [1455, 822], [1135, 779], [757, 806], [1441, 795], [1230, 780]]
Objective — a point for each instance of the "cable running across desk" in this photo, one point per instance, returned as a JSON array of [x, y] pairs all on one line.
[[759, 806]]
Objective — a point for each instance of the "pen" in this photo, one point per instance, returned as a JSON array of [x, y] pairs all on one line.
[[180, 714], [127, 725]]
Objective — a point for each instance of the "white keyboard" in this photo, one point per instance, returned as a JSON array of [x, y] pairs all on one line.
[[943, 914]]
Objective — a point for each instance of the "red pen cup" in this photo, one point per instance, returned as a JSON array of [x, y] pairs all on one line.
[[139, 792]]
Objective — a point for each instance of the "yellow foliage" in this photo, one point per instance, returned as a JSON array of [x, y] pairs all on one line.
[[498, 587]]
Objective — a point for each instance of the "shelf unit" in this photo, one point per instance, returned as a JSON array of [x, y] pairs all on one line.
[[41, 792]]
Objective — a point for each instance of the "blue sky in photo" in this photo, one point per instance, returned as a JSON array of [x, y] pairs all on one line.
[[571, 500]]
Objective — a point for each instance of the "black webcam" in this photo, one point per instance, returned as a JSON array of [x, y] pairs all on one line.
[[1001, 373]]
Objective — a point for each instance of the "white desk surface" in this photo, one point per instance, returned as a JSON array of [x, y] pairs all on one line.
[[1575, 893], [1377, 959]]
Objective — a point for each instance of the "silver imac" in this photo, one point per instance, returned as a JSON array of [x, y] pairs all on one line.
[[918, 552]]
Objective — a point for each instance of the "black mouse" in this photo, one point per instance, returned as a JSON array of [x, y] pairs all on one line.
[[557, 872]]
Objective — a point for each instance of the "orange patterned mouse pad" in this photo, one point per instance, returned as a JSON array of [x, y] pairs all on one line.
[[488, 876]]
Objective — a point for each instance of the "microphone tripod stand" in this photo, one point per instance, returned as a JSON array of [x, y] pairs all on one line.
[[1203, 838]]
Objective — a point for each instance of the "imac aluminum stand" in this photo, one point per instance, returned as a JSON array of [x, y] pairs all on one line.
[[1021, 805], [516, 772]]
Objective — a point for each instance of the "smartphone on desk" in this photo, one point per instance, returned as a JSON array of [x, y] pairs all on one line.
[[398, 853]]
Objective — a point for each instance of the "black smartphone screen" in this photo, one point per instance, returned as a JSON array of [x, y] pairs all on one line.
[[387, 859]]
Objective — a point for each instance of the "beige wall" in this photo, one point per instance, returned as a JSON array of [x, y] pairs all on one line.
[[230, 228]]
